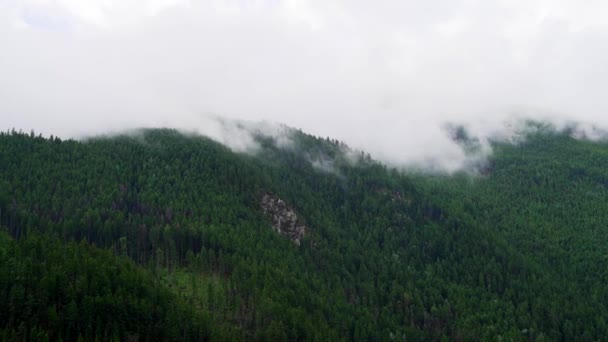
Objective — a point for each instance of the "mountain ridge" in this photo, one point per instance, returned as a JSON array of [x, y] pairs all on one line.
[[389, 254]]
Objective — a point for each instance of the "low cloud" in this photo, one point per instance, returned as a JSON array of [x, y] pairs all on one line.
[[384, 77]]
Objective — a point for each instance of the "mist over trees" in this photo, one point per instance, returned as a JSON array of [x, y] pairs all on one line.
[[161, 236]]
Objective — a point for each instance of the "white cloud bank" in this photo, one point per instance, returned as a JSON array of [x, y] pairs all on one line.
[[384, 76]]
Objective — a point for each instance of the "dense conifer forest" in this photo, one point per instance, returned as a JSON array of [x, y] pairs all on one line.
[[157, 235]]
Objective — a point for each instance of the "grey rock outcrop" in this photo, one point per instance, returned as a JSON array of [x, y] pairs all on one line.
[[284, 218]]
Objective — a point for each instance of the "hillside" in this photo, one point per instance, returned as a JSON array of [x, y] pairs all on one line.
[[160, 235]]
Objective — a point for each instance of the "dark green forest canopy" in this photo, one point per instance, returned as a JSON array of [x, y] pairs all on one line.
[[160, 235]]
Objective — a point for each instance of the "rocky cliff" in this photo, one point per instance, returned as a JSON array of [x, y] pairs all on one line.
[[284, 218]]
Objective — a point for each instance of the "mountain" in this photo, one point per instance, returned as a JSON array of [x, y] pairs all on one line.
[[159, 235]]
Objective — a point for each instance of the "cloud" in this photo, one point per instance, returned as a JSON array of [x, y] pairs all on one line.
[[383, 76]]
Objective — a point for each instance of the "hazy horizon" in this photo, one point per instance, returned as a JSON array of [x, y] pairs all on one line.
[[383, 76]]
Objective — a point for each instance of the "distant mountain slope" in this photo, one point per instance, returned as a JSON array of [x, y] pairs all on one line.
[[517, 253]]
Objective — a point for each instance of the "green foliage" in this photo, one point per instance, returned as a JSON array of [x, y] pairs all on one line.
[[516, 254], [69, 291]]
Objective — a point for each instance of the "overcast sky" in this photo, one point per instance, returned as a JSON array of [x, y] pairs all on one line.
[[381, 75]]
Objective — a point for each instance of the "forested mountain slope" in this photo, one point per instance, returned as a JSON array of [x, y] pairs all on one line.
[[517, 252]]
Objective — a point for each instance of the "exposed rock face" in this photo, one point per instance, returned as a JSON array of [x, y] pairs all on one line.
[[284, 218]]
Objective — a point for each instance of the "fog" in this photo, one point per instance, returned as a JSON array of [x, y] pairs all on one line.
[[383, 76]]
